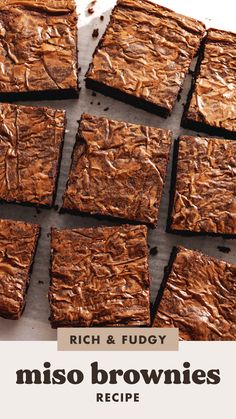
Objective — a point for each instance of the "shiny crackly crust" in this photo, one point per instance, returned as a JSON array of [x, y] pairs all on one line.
[[118, 169], [38, 46], [199, 297], [213, 99], [18, 241], [31, 140], [99, 277], [205, 190], [152, 54]]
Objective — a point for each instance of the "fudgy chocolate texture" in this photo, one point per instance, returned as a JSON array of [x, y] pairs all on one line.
[[212, 102], [205, 189], [118, 169], [18, 242], [99, 277], [38, 47], [31, 141], [145, 54], [199, 297]]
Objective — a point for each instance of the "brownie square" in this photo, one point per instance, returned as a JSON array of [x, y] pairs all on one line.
[[212, 101], [205, 186], [198, 296], [38, 49], [99, 277], [144, 55], [18, 242], [31, 141], [118, 169]]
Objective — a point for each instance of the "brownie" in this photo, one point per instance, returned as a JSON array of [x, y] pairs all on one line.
[[205, 186], [144, 55], [18, 242], [118, 169], [99, 277], [31, 142], [211, 105], [198, 296], [38, 49]]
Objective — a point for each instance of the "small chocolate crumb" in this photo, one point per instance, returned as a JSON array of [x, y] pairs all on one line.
[[56, 207], [94, 94], [79, 69], [95, 33], [90, 10], [99, 103], [153, 251], [41, 282], [224, 249], [101, 18], [48, 234], [106, 109], [91, 103]]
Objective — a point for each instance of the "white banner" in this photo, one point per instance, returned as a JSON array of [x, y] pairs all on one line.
[[198, 381]]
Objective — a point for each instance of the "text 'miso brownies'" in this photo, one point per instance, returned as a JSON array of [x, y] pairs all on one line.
[[205, 186], [212, 102], [18, 242], [31, 141], [99, 277], [198, 296], [38, 49], [144, 55], [118, 169]]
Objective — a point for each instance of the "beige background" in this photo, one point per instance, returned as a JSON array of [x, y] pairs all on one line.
[[34, 323]]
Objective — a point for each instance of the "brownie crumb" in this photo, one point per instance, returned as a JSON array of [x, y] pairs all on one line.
[[91, 103], [94, 94], [90, 10], [99, 103], [79, 69], [153, 251], [101, 18], [106, 109], [41, 282], [95, 33], [224, 249], [56, 207]]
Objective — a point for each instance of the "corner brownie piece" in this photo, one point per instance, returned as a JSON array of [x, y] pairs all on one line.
[[18, 242], [144, 55], [38, 49], [212, 101], [118, 169], [205, 187], [99, 277], [198, 296], [31, 141]]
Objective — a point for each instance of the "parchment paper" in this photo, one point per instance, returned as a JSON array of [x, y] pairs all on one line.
[[34, 323]]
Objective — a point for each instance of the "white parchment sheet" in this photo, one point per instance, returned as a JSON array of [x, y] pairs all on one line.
[[34, 324]]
